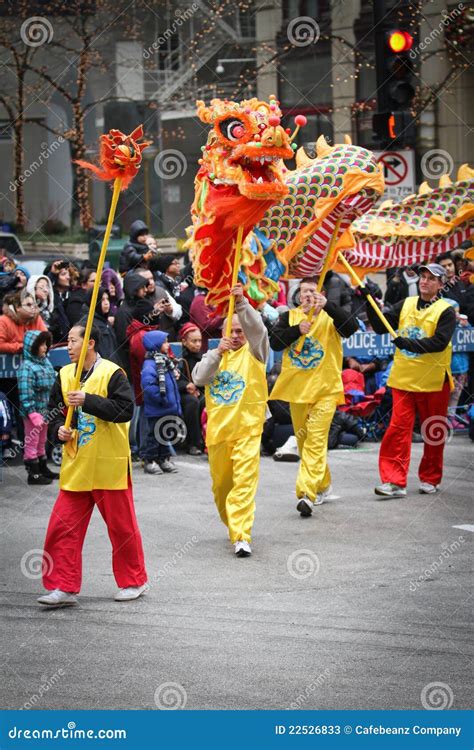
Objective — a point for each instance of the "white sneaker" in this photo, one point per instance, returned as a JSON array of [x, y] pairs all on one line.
[[288, 451], [387, 489], [242, 549], [326, 494], [427, 489], [132, 592], [305, 506], [58, 598], [151, 467]]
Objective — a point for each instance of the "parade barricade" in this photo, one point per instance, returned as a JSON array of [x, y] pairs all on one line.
[[363, 344]]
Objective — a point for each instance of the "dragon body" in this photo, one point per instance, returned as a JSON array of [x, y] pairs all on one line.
[[416, 230]]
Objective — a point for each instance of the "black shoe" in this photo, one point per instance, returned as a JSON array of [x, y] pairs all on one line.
[[167, 466], [34, 474], [43, 467], [305, 507]]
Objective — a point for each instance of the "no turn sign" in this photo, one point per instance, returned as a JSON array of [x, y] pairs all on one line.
[[398, 172]]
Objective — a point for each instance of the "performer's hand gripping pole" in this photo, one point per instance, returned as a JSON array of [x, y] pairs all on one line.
[[235, 277], [322, 276], [358, 281], [95, 294]]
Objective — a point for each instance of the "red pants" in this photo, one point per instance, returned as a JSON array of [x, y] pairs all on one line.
[[62, 562], [394, 458]]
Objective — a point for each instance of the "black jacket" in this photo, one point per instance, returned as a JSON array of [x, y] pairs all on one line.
[[132, 254], [59, 324], [74, 305], [283, 335], [117, 407], [397, 289]]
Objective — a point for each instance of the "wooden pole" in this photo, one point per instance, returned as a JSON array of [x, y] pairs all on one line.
[[235, 276], [95, 294], [358, 281], [322, 277]]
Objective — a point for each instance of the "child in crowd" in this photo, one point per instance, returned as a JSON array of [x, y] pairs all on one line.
[[161, 402], [36, 377]]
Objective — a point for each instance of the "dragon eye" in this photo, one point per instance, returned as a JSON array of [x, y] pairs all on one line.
[[232, 129]]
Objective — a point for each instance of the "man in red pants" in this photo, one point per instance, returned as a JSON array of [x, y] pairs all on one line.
[[421, 382], [95, 471]]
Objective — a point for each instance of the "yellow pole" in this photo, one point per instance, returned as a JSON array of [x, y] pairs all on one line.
[[235, 276], [358, 281], [322, 276], [95, 294]]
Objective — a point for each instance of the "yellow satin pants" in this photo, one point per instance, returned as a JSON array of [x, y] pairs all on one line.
[[234, 472], [311, 423]]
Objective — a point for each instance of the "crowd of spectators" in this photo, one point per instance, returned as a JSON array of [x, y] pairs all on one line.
[[152, 302]]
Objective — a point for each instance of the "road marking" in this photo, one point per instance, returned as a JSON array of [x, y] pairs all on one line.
[[465, 527]]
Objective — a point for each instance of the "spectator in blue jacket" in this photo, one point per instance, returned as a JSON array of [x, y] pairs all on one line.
[[36, 377], [162, 403]]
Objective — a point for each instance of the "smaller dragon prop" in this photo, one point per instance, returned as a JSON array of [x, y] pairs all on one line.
[[120, 155], [240, 176], [416, 230]]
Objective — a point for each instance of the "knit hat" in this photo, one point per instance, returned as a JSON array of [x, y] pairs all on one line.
[[187, 328], [24, 269], [162, 262]]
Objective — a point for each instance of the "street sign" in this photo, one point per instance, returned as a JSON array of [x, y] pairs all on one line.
[[398, 172]]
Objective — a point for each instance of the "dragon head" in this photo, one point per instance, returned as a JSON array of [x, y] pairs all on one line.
[[245, 147]]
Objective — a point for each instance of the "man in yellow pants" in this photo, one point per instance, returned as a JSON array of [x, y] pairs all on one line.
[[236, 397], [311, 381]]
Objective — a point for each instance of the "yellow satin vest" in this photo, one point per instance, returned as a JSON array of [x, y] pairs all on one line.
[[102, 461], [315, 372], [236, 399], [420, 372]]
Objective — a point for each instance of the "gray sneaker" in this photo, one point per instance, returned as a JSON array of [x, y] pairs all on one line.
[[168, 466], [151, 467], [58, 598], [387, 489]]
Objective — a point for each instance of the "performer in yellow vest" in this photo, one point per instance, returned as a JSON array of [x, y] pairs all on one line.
[[236, 398], [311, 381], [95, 470], [421, 382]]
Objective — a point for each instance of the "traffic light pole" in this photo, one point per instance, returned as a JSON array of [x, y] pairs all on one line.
[[380, 13]]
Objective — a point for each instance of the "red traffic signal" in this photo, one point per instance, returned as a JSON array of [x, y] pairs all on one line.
[[400, 41]]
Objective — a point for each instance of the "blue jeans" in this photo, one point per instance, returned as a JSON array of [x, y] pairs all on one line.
[[152, 450]]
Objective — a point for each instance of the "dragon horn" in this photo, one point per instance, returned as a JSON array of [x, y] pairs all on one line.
[[322, 146], [445, 181], [347, 140], [465, 173], [302, 158], [424, 189]]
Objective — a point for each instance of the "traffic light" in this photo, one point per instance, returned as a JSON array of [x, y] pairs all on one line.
[[395, 69], [399, 78]]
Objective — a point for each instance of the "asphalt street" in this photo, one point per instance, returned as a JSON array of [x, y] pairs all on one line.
[[366, 605]]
